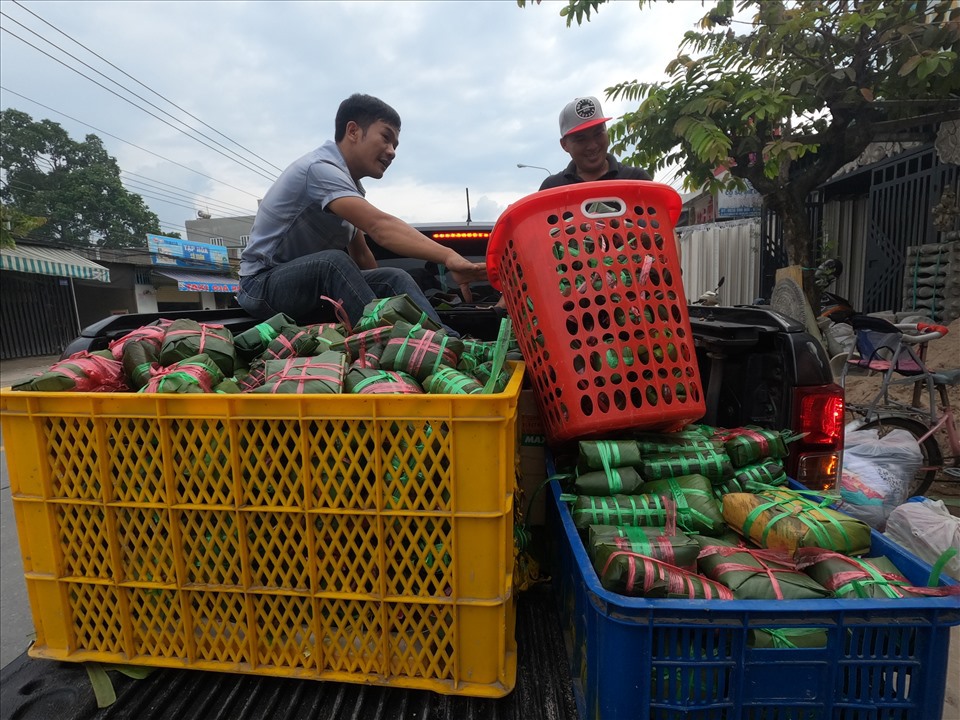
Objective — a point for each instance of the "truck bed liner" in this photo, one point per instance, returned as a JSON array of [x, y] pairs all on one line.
[[43, 689]]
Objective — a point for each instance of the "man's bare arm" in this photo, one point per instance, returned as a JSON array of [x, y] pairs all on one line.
[[360, 252], [394, 234]]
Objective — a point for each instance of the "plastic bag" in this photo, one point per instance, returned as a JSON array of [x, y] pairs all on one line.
[[877, 473], [928, 530]]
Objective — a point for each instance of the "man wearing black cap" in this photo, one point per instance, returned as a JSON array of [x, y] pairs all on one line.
[[583, 134]]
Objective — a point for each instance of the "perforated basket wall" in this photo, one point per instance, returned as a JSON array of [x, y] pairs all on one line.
[[354, 538], [643, 659], [591, 279]]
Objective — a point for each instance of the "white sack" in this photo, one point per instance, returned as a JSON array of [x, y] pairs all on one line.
[[876, 473], [927, 529]]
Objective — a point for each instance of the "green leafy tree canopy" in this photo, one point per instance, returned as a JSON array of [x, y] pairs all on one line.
[[74, 186], [789, 97]]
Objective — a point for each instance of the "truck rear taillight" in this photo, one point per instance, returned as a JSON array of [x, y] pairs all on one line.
[[460, 235], [818, 411], [816, 457]]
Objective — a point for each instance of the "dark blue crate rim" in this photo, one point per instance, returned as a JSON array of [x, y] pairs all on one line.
[[941, 611]]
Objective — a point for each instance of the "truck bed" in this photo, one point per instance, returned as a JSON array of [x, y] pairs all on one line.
[[33, 689]]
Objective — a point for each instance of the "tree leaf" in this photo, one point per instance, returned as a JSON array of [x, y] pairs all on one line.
[[910, 65], [867, 94]]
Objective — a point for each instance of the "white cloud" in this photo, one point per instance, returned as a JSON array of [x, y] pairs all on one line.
[[479, 86]]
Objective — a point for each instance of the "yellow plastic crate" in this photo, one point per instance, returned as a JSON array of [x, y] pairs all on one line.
[[358, 538]]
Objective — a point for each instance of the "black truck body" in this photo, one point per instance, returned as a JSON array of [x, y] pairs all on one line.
[[757, 368]]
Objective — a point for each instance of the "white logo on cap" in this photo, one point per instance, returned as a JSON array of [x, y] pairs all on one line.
[[585, 108]]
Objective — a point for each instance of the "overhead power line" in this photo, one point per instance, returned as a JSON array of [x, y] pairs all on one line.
[[240, 161], [214, 201], [127, 142], [183, 195], [126, 74]]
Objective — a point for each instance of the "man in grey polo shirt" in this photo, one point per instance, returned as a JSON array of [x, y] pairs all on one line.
[[309, 236]]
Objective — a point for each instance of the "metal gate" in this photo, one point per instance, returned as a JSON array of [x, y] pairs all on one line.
[[36, 315], [902, 192], [773, 255]]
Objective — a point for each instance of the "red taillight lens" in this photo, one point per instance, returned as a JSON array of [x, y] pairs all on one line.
[[815, 458], [818, 411]]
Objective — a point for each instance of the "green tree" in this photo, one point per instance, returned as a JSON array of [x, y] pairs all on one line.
[[785, 100], [14, 225], [75, 186]]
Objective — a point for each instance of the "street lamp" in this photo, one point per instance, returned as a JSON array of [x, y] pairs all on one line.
[[535, 167]]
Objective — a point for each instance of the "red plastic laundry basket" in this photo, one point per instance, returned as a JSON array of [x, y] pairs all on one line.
[[591, 279]]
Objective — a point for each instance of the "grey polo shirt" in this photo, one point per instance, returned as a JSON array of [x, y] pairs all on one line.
[[292, 220]]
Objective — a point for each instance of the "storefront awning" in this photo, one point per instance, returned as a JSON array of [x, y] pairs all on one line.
[[201, 282], [51, 261]]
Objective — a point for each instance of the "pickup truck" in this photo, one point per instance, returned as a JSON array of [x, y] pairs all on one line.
[[757, 367]]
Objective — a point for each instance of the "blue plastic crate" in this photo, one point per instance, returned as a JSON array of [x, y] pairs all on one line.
[[692, 659]]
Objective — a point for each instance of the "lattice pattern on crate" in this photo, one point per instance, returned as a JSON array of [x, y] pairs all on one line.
[[691, 667], [422, 642], [136, 468], [210, 546], [146, 546], [73, 467], [157, 623], [347, 553], [418, 562], [352, 637], [278, 554], [200, 458], [219, 621], [97, 616], [285, 636], [84, 540], [343, 464], [270, 457], [417, 474]]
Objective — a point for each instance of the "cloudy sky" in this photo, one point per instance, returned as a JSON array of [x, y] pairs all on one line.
[[478, 85]]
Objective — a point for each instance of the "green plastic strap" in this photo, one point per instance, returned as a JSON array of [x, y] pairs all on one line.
[[442, 270], [142, 368], [102, 685], [368, 381], [267, 332], [818, 529], [614, 481], [945, 557], [541, 486], [780, 638], [375, 313], [683, 507], [499, 354], [876, 578]]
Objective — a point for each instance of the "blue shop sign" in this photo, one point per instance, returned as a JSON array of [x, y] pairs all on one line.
[[173, 252]]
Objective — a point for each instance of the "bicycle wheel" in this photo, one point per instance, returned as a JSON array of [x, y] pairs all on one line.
[[932, 457]]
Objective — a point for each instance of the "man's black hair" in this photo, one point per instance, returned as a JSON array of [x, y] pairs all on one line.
[[364, 110]]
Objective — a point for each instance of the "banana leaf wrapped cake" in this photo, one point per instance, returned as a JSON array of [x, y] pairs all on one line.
[[676, 549], [875, 577], [753, 574], [784, 519]]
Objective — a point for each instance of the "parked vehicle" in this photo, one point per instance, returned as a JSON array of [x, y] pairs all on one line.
[[757, 368]]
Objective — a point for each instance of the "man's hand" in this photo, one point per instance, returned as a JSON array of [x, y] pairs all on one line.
[[465, 272]]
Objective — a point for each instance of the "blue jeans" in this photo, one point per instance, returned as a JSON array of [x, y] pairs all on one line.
[[295, 288]]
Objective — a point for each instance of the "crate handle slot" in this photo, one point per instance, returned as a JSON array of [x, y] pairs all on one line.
[[603, 207]]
